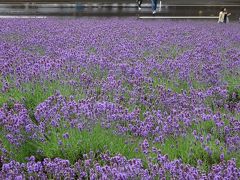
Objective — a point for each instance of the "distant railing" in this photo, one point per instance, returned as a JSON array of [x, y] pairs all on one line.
[[173, 2]]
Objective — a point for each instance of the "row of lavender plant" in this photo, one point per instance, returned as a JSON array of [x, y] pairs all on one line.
[[157, 83]]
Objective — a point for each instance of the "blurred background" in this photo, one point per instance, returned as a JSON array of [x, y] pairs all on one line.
[[130, 1], [174, 8]]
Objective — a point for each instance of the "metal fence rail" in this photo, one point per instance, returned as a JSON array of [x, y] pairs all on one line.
[[169, 2]]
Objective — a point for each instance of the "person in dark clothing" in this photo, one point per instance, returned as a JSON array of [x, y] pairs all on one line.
[[154, 6], [139, 3], [225, 18]]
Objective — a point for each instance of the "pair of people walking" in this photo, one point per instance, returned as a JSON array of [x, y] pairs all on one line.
[[223, 16], [154, 5]]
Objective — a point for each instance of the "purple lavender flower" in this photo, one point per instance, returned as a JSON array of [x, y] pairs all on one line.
[[66, 136]]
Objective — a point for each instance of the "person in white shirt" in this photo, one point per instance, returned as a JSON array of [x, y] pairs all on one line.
[[223, 16]]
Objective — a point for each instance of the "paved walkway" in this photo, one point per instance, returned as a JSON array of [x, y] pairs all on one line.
[[109, 9]]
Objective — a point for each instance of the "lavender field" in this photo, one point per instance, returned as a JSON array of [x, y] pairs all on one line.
[[97, 98]]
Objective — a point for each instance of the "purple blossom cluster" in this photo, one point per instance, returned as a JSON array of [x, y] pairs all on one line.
[[16, 125], [117, 167], [150, 80]]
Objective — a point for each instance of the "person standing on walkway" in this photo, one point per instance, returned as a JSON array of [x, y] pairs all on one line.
[[139, 3], [223, 16], [154, 6]]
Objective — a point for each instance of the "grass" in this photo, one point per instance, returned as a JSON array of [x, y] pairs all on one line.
[[32, 94], [190, 151], [18, 153], [98, 140], [176, 85], [172, 52], [233, 83], [12, 37], [35, 50]]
